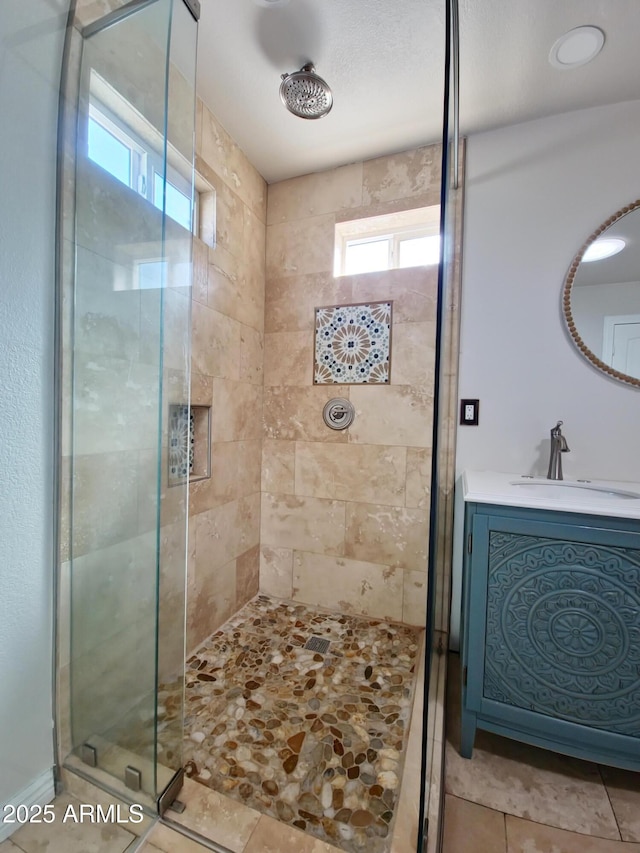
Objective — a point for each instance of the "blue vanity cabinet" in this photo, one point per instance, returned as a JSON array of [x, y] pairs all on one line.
[[551, 631]]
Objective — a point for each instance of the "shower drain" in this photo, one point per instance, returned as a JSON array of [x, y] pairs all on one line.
[[317, 644]]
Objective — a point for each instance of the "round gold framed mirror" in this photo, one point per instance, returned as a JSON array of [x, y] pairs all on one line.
[[601, 296]]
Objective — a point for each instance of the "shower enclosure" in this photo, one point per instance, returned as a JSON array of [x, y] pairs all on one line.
[[127, 208], [341, 557]]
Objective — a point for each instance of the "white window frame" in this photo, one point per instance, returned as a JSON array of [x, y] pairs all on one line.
[[394, 228], [119, 118]]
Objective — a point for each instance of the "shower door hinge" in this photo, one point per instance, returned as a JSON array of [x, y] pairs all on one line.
[[168, 796], [194, 7], [132, 778], [89, 754], [469, 543]]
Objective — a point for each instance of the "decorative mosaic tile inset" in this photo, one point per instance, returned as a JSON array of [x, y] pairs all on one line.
[[315, 741], [181, 442], [353, 344]]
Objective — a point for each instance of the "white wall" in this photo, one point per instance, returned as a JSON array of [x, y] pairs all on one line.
[[534, 193], [31, 37]]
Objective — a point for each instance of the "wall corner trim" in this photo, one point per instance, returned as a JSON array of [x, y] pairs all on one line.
[[40, 792]]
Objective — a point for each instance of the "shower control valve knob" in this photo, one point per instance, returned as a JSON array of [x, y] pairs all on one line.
[[338, 413]]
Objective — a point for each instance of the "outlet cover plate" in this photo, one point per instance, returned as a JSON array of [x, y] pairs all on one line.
[[469, 412]]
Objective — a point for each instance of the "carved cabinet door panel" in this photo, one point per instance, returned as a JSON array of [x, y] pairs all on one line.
[[561, 622]]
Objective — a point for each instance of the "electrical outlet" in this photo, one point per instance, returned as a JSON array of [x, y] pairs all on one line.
[[469, 412]]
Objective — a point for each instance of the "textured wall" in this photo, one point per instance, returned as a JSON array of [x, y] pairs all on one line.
[[32, 36], [534, 193], [227, 359], [345, 514]]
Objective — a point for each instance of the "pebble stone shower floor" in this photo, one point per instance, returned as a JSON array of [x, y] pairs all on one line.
[[314, 740]]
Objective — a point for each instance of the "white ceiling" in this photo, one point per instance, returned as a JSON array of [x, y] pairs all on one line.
[[384, 62]]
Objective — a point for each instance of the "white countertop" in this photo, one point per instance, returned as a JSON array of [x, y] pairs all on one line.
[[594, 497]]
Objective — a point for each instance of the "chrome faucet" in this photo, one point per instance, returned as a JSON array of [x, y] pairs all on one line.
[[558, 445]]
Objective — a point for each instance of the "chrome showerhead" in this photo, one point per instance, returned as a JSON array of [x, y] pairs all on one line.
[[305, 94]]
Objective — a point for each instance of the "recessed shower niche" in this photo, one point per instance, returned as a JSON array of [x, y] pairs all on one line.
[[189, 443]]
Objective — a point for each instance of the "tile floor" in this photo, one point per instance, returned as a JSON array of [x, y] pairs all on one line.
[[514, 798], [314, 740]]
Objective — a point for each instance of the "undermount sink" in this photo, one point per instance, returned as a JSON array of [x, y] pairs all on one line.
[[572, 488]]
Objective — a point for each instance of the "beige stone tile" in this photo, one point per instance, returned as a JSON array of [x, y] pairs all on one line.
[[300, 247], [216, 533], [171, 595], [200, 271], [71, 836], [401, 175], [418, 477], [470, 828], [303, 524], [115, 405], [236, 413], [276, 571], [413, 355], [111, 588], [312, 195], [272, 836], [351, 586], [405, 827], [623, 788], [413, 291], [288, 358], [414, 601], [247, 575], [8, 847], [249, 466], [278, 465], [532, 783], [86, 792], [224, 283], [213, 599], [393, 536], [215, 343], [222, 486], [224, 157], [254, 256], [354, 472], [290, 300], [173, 841], [251, 355], [393, 415], [524, 836], [212, 815], [200, 389], [248, 522], [296, 413]]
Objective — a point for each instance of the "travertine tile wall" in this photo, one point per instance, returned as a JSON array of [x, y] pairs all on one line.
[[345, 514], [227, 362]]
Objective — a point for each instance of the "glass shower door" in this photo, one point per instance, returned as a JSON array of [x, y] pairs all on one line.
[[129, 282]]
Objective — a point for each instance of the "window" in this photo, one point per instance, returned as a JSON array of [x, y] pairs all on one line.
[[406, 239], [124, 144]]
